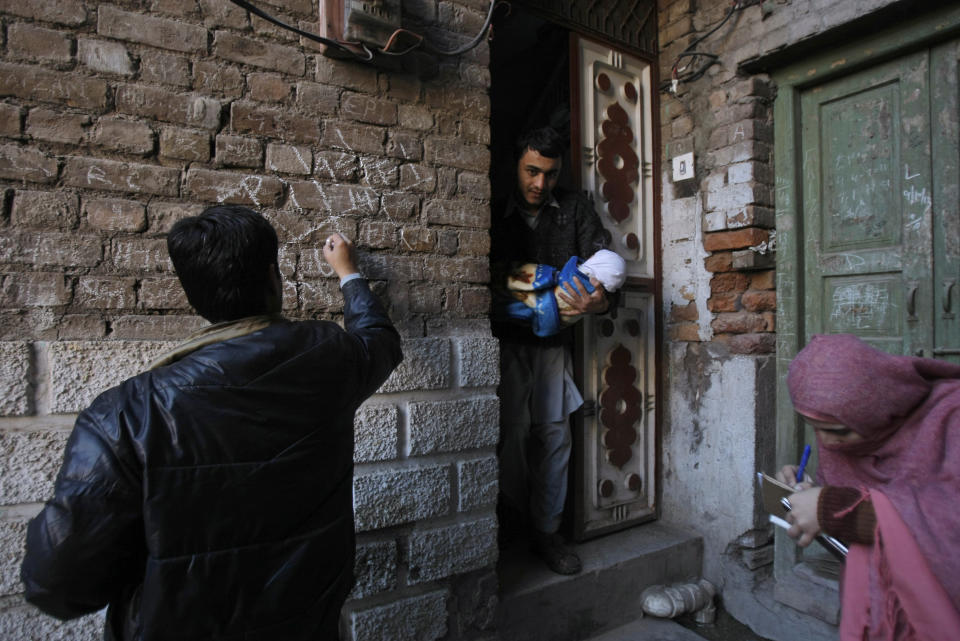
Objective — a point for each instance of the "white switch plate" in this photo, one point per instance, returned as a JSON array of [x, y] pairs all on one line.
[[683, 166]]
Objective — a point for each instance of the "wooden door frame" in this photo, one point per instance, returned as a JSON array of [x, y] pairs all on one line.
[[906, 37]]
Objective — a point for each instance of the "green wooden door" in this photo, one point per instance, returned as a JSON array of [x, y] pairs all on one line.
[[945, 147], [879, 193]]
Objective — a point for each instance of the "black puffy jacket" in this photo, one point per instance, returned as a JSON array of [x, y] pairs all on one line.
[[212, 498]]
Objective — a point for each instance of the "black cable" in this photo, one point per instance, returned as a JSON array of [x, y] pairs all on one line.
[[690, 52], [421, 42], [243, 4]]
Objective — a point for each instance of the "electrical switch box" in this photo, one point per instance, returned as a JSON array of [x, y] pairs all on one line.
[[370, 21], [683, 167]]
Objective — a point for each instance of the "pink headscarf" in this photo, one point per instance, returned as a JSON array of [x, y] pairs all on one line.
[[908, 412]]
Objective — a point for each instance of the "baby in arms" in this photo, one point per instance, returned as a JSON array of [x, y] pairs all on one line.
[[533, 288]]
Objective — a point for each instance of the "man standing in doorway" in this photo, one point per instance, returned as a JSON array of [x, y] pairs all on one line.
[[545, 225]]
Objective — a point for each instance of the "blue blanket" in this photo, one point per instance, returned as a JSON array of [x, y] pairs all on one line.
[[531, 298]]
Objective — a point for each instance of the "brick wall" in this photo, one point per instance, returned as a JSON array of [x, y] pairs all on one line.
[[118, 119]]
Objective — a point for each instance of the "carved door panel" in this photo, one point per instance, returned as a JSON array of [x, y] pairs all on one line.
[[612, 149]]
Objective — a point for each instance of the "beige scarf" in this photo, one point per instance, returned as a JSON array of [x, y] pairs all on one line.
[[214, 334]]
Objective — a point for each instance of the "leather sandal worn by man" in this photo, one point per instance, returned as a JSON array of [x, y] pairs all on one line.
[[211, 496]]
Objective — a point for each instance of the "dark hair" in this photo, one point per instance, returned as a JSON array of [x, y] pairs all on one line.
[[222, 258], [545, 141]]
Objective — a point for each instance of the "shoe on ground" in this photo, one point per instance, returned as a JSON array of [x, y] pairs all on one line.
[[558, 556]]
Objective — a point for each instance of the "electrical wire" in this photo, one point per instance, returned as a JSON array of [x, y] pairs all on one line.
[[351, 48], [679, 74]]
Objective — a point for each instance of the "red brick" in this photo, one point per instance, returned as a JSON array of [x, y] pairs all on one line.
[[379, 173], [35, 83], [104, 56], [161, 104], [764, 280], [120, 134], [365, 139], [447, 243], [105, 292], [217, 78], [233, 188], [157, 67], [116, 215], [461, 213], [30, 41], [729, 282], [158, 32], [752, 343], [45, 209], [418, 178], [447, 182], [418, 117], [365, 108], [96, 173], [443, 269], [161, 216], [474, 243], [34, 289], [66, 12], [346, 74], [770, 321], [334, 165], [460, 100], [185, 144], [684, 313], [401, 206], [300, 7], [162, 293], [27, 164], [453, 153], [54, 126], [759, 301], [310, 232], [155, 327], [251, 118], [377, 235], [51, 248], [11, 120], [181, 8], [426, 299], [719, 262], [268, 87], [739, 239], [258, 53], [738, 323], [336, 199], [404, 145], [724, 302], [381, 266], [238, 151], [223, 14], [474, 301], [473, 185], [685, 332], [140, 255], [418, 239], [320, 295], [404, 87], [316, 99], [289, 159]]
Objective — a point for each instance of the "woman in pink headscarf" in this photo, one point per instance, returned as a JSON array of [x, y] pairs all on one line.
[[888, 435]]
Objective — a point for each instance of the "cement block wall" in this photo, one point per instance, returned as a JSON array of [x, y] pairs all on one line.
[[116, 120]]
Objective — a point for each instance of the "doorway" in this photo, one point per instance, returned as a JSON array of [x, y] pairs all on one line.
[[545, 71]]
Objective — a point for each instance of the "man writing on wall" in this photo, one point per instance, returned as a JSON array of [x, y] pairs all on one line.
[[545, 225], [211, 496]]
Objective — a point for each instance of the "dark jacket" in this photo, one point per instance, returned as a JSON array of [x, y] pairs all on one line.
[[212, 498], [572, 229]]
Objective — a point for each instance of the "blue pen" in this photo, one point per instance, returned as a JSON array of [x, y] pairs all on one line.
[[803, 463]]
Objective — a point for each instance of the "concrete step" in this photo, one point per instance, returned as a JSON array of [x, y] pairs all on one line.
[[538, 605], [649, 629]]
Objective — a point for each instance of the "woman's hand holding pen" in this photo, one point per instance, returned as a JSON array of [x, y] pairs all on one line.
[[802, 516], [788, 476]]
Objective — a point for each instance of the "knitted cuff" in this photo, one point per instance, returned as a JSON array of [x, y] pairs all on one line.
[[846, 513]]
